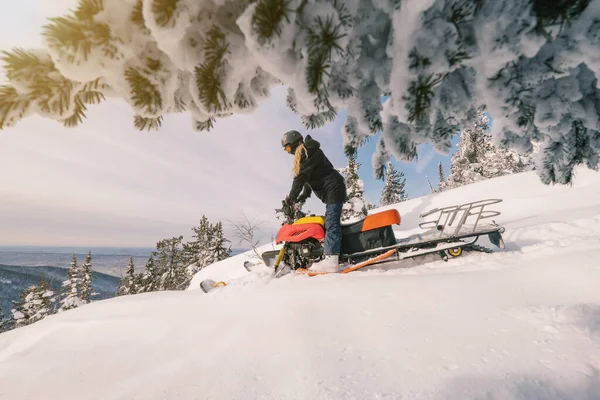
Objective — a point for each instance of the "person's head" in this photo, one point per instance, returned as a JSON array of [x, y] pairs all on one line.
[[291, 140]]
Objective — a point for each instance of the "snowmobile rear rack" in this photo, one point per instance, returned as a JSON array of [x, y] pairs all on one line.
[[449, 230], [463, 212]]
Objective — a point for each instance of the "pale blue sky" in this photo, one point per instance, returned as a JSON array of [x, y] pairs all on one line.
[[105, 183]]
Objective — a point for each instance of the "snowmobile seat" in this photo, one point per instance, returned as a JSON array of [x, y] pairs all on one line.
[[373, 221], [372, 232]]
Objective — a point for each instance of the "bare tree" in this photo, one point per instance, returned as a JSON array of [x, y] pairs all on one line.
[[246, 230]]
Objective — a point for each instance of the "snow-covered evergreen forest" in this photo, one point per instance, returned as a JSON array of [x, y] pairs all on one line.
[[407, 72], [171, 266]]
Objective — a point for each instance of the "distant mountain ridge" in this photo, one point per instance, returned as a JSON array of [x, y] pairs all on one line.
[[14, 279]]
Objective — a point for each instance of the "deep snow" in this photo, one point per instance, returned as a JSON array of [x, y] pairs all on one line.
[[521, 323]]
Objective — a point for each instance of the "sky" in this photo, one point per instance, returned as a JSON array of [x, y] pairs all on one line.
[[105, 183]]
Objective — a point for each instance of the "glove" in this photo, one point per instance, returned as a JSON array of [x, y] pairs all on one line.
[[287, 202]]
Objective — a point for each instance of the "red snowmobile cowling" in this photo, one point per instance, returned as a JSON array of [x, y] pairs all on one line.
[[298, 233]]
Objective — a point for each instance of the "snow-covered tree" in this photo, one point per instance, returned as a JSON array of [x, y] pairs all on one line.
[[208, 245], [128, 284], [477, 158], [355, 206], [71, 293], [533, 63], [170, 262], [220, 249], [87, 290], [393, 190], [150, 280], [3, 322], [34, 305], [441, 176], [198, 251]]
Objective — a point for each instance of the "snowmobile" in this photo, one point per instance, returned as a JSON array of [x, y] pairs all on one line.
[[371, 240]]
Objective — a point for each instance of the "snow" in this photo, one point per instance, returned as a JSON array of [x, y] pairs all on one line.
[[520, 323]]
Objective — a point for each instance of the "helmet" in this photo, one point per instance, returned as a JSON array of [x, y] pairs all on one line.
[[290, 140]]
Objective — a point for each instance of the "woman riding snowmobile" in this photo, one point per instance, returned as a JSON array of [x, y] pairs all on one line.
[[313, 172]]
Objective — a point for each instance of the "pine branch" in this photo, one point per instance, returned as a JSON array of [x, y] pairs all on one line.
[[207, 74], [206, 125], [142, 123], [241, 99], [86, 9], [268, 16], [137, 16], [13, 106], [52, 95], [23, 65], [420, 94], [143, 93], [79, 33], [416, 60], [165, 12], [78, 114], [556, 12], [314, 121]]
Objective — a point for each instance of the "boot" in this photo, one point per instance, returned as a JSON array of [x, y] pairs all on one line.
[[329, 264]]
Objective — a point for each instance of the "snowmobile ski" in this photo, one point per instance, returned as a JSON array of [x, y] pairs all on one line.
[[208, 284], [351, 268]]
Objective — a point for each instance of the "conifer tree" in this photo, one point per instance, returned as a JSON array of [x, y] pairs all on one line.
[[71, 294], [220, 248], [34, 305], [531, 61], [150, 280], [441, 177], [128, 283], [87, 290], [197, 252], [355, 206], [169, 259], [393, 190], [3, 322], [477, 158]]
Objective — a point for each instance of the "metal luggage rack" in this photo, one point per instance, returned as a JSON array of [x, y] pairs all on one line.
[[455, 217]]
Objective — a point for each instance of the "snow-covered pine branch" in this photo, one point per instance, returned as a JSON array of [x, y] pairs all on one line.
[[533, 63]]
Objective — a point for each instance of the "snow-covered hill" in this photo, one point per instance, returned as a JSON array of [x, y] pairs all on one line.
[[521, 323]]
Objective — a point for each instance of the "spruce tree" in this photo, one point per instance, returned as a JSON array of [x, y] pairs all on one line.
[[220, 249], [477, 158], [87, 290], [532, 62], [170, 261], [355, 206], [441, 177], [198, 251], [150, 280], [35, 304], [393, 190], [71, 294], [128, 283]]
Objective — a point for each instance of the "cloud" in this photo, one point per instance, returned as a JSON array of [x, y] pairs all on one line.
[[168, 178]]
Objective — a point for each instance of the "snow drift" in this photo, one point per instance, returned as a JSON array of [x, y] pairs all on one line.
[[520, 323]]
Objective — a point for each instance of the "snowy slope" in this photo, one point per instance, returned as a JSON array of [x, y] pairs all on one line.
[[523, 323]]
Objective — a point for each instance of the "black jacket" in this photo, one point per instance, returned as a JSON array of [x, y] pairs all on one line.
[[317, 173]]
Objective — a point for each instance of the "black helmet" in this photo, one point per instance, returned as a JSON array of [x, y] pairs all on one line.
[[291, 139]]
